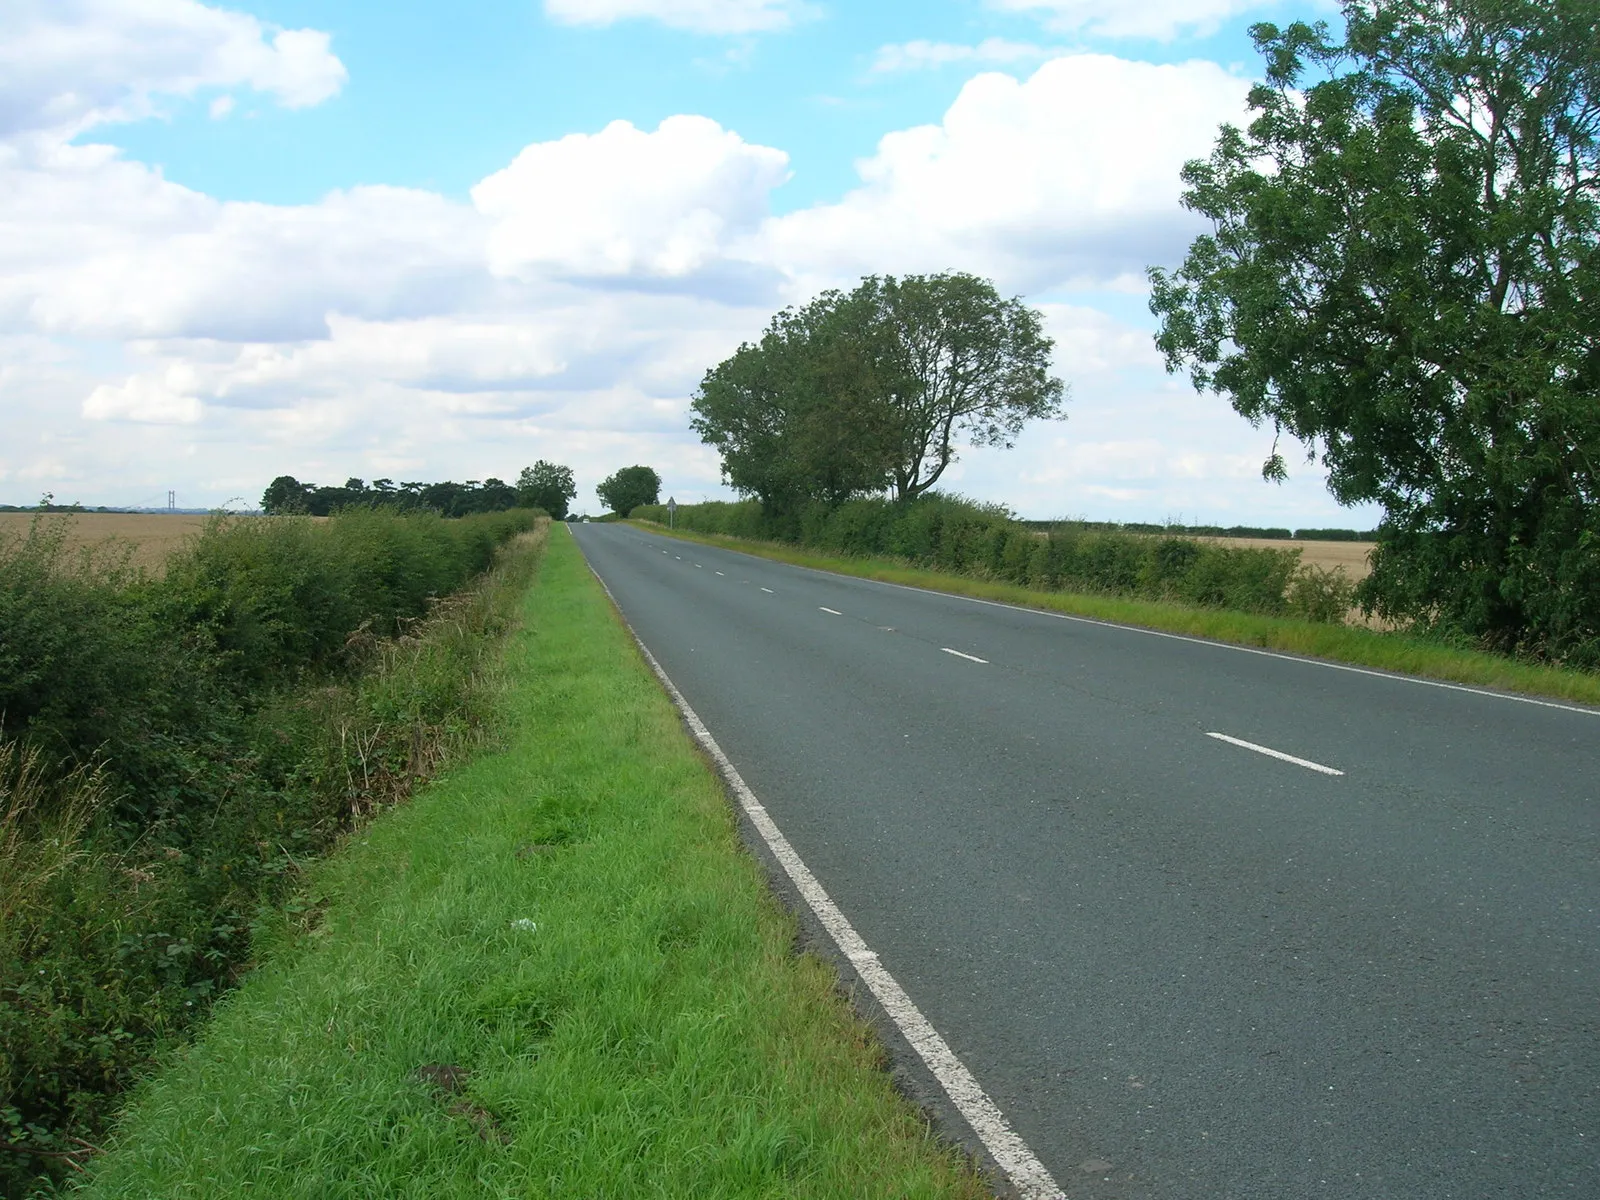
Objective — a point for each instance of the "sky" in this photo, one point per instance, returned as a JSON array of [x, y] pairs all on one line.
[[333, 238]]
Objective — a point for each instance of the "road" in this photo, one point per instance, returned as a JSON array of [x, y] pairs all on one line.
[[1181, 967]]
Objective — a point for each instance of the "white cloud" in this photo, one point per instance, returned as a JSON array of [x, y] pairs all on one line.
[[926, 56], [115, 250], [1160, 19], [221, 107], [624, 202], [164, 401], [696, 16], [1068, 177], [67, 65], [152, 336]]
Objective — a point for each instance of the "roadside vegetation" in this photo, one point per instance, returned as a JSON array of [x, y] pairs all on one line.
[[1306, 618], [555, 972], [175, 749], [1402, 272], [952, 535]]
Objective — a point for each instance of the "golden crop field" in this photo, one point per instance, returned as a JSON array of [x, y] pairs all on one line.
[[153, 535], [1352, 556]]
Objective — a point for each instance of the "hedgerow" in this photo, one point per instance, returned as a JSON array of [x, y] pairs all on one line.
[[173, 749], [948, 533]]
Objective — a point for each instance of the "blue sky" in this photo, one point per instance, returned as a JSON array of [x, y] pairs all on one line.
[[429, 241], [441, 95]]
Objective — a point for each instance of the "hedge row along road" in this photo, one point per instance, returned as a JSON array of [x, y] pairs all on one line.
[[1200, 921]]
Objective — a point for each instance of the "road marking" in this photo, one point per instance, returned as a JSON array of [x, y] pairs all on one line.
[[834, 611], [1183, 637], [719, 572], [1027, 1174], [769, 591], [1279, 754], [968, 657]]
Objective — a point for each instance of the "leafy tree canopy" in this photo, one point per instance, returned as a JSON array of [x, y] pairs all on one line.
[[548, 486], [870, 391], [287, 495], [1403, 273], [625, 490]]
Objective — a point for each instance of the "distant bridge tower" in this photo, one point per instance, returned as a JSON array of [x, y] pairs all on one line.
[[172, 500]]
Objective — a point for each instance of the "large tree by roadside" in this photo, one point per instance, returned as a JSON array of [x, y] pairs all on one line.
[[952, 362], [872, 391], [1404, 274], [547, 485], [626, 489], [795, 416]]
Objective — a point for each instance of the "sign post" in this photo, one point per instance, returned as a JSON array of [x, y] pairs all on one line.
[[672, 513]]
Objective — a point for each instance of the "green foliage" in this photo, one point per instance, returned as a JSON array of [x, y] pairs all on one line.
[[654, 1034], [547, 486], [856, 394], [1405, 272], [625, 490], [287, 496], [171, 752], [948, 533]]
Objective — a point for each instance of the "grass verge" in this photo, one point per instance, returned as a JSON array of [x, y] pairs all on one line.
[[1382, 651], [554, 973]]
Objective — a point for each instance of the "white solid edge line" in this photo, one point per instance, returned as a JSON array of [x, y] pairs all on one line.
[[1183, 637], [1027, 1174], [834, 611], [1279, 754], [968, 657]]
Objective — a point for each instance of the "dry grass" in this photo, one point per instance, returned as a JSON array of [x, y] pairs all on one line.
[[153, 536]]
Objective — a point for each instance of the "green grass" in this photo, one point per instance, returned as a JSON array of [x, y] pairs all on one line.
[[1356, 646], [572, 924]]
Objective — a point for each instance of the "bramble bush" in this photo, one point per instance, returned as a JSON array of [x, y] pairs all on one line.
[[173, 749], [949, 533]]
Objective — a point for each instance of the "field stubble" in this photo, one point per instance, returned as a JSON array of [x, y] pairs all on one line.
[[150, 538]]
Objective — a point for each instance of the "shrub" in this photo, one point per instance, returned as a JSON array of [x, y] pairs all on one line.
[[171, 750]]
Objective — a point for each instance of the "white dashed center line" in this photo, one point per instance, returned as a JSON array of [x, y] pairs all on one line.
[[834, 611], [1278, 754], [719, 572], [769, 591], [959, 654]]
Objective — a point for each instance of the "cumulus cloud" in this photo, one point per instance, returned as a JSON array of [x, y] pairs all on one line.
[[695, 16], [624, 202], [152, 336], [116, 250], [66, 65], [1159, 19], [1068, 177], [923, 55], [155, 401]]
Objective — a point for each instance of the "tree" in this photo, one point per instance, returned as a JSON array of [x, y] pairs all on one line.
[[951, 359], [285, 494], [866, 392], [628, 488], [548, 486], [789, 415], [1404, 274]]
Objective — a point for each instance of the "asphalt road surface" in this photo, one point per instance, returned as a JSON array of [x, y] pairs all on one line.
[[1182, 967]]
